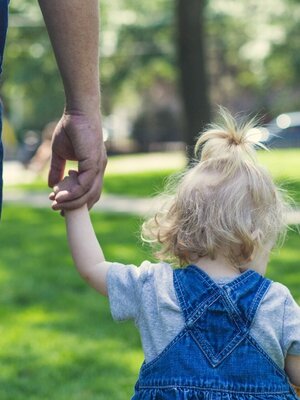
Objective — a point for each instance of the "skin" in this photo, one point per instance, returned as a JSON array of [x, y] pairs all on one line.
[[73, 28], [87, 254]]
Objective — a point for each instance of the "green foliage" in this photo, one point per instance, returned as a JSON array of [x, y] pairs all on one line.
[[32, 89], [252, 57], [136, 49], [253, 54], [143, 49]]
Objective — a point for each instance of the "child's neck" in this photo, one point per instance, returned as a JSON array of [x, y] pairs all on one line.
[[218, 268]]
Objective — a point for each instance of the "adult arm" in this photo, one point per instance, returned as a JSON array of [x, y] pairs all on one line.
[[73, 27]]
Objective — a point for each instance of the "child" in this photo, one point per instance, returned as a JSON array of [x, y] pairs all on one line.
[[215, 329]]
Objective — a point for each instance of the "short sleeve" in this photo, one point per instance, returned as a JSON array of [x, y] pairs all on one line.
[[291, 326], [125, 285]]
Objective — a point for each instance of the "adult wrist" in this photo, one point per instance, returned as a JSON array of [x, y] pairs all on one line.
[[87, 104]]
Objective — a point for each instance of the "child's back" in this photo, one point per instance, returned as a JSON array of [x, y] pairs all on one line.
[[207, 340]]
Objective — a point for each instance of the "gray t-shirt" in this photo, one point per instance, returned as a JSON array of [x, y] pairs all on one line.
[[146, 295]]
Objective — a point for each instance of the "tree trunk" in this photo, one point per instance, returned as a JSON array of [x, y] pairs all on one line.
[[192, 63]]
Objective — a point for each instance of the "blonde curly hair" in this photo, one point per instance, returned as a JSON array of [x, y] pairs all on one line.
[[226, 203]]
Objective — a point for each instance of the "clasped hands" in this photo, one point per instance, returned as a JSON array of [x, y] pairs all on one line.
[[64, 189], [77, 137]]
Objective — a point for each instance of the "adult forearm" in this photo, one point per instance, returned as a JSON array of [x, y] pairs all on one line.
[[73, 27]]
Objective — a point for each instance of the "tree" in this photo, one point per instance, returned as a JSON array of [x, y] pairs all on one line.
[[192, 64], [249, 49]]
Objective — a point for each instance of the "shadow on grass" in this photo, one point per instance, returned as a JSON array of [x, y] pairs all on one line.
[[82, 376]]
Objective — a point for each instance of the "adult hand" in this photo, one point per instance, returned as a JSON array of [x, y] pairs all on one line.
[[78, 137]]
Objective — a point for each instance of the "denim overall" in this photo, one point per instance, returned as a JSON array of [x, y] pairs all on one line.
[[215, 357], [3, 29]]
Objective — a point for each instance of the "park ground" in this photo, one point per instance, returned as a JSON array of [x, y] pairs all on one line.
[[57, 338]]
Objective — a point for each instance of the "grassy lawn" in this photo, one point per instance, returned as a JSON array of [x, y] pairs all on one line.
[[57, 335], [283, 164], [57, 339]]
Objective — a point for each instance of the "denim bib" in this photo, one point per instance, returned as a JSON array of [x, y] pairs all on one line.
[[3, 29], [215, 357]]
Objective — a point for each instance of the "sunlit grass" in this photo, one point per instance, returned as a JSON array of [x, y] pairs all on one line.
[[57, 338], [284, 165]]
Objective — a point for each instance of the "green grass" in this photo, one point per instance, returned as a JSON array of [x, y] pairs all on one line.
[[283, 164], [285, 168], [57, 338], [136, 184]]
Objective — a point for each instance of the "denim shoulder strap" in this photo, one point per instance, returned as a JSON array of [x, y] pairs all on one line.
[[218, 317]]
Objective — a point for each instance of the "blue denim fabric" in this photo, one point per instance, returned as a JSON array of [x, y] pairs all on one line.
[[3, 29], [215, 357]]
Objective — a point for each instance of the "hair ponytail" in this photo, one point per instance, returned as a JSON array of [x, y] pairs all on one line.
[[229, 141]]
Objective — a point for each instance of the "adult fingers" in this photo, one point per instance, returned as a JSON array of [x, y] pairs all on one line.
[[76, 191], [57, 168], [95, 192], [89, 168], [89, 178]]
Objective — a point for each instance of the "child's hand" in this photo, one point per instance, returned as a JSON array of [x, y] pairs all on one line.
[[64, 187]]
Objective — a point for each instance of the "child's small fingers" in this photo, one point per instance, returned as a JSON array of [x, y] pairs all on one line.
[[52, 196], [55, 189]]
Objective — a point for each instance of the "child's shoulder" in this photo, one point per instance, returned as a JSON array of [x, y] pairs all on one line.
[[132, 287], [147, 274], [280, 290], [279, 297], [277, 293], [146, 270]]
